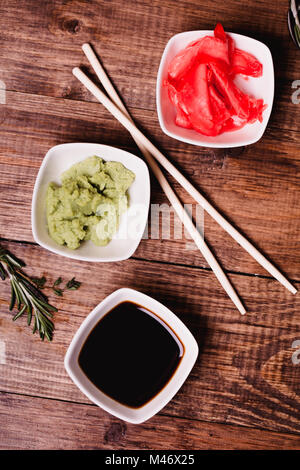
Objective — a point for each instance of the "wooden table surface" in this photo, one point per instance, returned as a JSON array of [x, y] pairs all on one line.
[[243, 392]]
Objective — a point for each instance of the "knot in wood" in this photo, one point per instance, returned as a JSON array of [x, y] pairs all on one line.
[[115, 432]]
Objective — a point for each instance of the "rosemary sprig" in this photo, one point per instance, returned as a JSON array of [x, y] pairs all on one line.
[[26, 296]]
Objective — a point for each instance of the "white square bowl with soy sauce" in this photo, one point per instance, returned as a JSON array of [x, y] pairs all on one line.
[[131, 355]]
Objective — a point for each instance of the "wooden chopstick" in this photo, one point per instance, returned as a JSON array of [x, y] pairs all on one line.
[[130, 126], [171, 195]]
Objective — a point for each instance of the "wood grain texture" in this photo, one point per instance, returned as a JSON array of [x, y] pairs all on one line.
[[51, 424], [244, 373], [244, 389], [256, 187], [129, 35]]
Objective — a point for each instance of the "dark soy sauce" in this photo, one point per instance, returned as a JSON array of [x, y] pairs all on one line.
[[130, 354]]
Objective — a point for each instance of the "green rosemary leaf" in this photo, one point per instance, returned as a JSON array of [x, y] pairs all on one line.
[[47, 307], [12, 298], [58, 281], [38, 325], [73, 284], [42, 309], [48, 336], [47, 323], [34, 327], [17, 293], [29, 316], [58, 292], [297, 34], [39, 281], [16, 261], [19, 313], [3, 273]]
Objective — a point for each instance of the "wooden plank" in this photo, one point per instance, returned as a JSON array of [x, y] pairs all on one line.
[[257, 188], [51, 424], [244, 374], [131, 37]]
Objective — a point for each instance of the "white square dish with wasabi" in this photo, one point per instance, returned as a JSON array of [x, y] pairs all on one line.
[[90, 202]]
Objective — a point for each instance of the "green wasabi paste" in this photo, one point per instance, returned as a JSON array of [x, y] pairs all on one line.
[[89, 202]]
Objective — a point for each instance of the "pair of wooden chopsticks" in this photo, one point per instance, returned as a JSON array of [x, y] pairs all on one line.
[[118, 110]]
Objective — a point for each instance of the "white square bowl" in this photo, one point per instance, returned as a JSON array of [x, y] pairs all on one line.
[[260, 87], [132, 223], [141, 414]]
